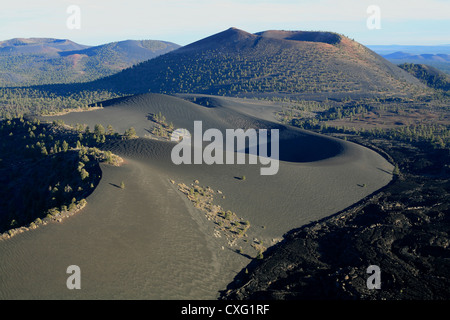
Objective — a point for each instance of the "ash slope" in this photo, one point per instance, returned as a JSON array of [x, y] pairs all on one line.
[[403, 229], [312, 168], [148, 241]]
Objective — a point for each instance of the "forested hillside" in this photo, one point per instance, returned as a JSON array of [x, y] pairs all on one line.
[[429, 75], [291, 65], [37, 61], [235, 62]]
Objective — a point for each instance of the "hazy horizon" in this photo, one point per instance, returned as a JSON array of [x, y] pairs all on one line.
[[402, 22], [160, 39]]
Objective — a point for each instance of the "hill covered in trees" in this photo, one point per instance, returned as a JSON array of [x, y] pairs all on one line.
[[273, 64], [270, 63], [429, 75], [35, 61], [48, 169]]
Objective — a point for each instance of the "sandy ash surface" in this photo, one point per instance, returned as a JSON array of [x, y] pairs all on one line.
[[147, 241]]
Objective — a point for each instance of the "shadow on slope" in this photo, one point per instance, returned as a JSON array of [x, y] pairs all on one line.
[[295, 145]]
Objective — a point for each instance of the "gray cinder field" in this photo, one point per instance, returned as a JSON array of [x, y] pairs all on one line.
[[148, 241]]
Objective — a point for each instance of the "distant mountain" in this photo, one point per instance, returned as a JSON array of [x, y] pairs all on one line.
[[439, 61], [270, 63], [128, 51], [37, 61], [412, 49], [38, 46], [420, 57], [436, 56]]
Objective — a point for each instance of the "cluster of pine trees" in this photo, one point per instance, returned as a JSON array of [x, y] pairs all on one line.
[[436, 134], [17, 102], [431, 76], [254, 70], [47, 169], [162, 128]]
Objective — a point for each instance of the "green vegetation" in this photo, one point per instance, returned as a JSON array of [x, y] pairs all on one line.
[[18, 102], [431, 76], [130, 134], [421, 120], [226, 221], [44, 83], [438, 135], [255, 66], [47, 67], [63, 160], [396, 171], [47, 170], [227, 72], [162, 128]]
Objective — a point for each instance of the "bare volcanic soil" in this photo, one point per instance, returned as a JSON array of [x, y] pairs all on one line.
[[150, 240], [403, 230]]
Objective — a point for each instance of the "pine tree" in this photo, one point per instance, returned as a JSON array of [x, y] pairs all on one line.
[[130, 133], [99, 130], [110, 130], [396, 171], [84, 174], [65, 146]]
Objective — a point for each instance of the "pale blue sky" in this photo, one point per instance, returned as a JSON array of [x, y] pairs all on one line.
[[414, 22]]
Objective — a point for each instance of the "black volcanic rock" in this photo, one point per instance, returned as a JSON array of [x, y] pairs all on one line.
[[403, 229]]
